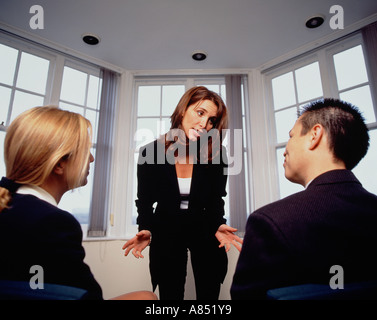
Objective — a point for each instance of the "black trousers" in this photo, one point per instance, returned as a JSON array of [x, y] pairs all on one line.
[[169, 257]]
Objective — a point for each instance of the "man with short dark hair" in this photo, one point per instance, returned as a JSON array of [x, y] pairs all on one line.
[[298, 239]]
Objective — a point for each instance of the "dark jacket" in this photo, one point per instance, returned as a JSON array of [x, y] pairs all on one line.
[[158, 203], [34, 232], [157, 183], [298, 239]]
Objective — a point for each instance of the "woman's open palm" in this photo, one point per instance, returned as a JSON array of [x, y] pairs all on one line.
[[137, 244], [226, 237]]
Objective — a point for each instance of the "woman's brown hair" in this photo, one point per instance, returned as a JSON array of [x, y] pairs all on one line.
[[195, 96]]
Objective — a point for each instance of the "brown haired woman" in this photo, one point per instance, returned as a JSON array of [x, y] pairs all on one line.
[[183, 172]]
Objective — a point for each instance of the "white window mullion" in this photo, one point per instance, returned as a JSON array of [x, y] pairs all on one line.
[[327, 70], [13, 88], [190, 82], [86, 93], [56, 81]]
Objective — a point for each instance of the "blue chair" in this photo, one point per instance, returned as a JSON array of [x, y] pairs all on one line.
[[352, 291], [20, 290]]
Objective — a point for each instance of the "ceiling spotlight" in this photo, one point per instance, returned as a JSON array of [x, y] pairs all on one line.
[[91, 39], [315, 22], [199, 55]]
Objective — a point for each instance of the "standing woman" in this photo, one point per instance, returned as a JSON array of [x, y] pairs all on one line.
[[46, 153], [186, 178]]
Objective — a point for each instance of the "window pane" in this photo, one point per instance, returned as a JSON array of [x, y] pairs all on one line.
[[223, 93], [212, 87], [8, 60], [2, 162], [146, 131], [362, 99], [286, 187], [149, 98], [364, 170], [164, 125], [218, 88], [24, 101], [92, 116], [93, 92], [73, 86], [283, 91], [170, 98], [4, 104], [33, 73], [285, 121], [350, 68], [309, 85], [78, 201], [71, 107]]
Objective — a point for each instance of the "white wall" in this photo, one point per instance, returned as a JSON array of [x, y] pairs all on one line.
[[118, 274]]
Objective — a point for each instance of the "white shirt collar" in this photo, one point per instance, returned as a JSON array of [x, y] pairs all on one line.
[[37, 192]]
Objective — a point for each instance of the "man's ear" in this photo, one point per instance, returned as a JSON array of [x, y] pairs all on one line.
[[316, 135], [60, 167]]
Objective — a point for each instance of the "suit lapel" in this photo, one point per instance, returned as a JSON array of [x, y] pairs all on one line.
[[171, 177], [197, 181]]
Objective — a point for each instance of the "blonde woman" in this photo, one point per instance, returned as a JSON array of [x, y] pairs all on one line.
[[46, 153]]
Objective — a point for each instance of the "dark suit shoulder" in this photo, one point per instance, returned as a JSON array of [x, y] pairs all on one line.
[[333, 201], [54, 241], [32, 211], [328, 192], [34, 204], [288, 204]]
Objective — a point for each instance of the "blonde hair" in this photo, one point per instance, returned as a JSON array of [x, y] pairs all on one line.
[[38, 139]]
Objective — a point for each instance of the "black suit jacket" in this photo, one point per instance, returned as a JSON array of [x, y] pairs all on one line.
[[158, 184], [158, 203], [34, 232], [296, 240]]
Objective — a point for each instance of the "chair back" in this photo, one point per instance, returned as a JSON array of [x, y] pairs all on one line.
[[352, 291], [21, 290]]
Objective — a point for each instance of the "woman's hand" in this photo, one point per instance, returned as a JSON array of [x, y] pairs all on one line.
[[138, 243], [226, 237]]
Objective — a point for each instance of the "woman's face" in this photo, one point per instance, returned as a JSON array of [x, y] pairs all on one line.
[[199, 117], [295, 155], [91, 159], [84, 178]]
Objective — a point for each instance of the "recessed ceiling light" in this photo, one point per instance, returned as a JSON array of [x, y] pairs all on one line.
[[315, 21], [199, 55], [91, 39]]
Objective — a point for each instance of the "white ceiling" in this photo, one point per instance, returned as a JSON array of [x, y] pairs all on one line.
[[162, 34]]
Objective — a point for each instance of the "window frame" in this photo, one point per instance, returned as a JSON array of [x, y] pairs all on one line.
[[57, 62], [189, 81], [90, 71], [344, 45], [324, 56], [23, 47]]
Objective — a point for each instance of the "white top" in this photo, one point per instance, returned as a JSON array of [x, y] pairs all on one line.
[[184, 190], [37, 192]]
